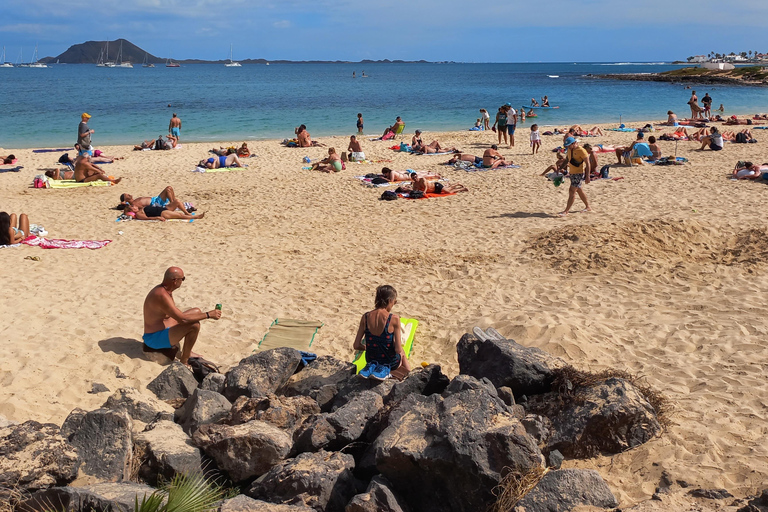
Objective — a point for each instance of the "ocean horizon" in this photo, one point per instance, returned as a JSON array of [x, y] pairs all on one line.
[[257, 102]]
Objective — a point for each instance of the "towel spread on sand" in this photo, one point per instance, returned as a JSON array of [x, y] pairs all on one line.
[[50, 150], [621, 129], [368, 182], [428, 195], [57, 243], [220, 169], [286, 332], [74, 184]]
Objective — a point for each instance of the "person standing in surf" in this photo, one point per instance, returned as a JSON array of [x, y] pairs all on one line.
[[174, 127]]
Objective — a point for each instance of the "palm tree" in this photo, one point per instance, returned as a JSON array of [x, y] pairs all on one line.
[[185, 493]]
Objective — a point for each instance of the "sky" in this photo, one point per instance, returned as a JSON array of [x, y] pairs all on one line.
[[434, 30]]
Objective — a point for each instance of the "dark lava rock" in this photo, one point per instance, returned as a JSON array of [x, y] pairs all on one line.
[[261, 374], [201, 408], [566, 489], [243, 503], [243, 451], [447, 454], [35, 456], [608, 417], [379, 497], [104, 497], [176, 381], [710, 494], [525, 370], [321, 480], [286, 413], [104, 443], [165, 451], [319, 380], [140, 407]]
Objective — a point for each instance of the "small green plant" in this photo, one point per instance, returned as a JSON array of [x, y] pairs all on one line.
[[184, 493]]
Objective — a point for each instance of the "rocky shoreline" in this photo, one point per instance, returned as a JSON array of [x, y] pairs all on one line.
[[289, 437], [706, 79]]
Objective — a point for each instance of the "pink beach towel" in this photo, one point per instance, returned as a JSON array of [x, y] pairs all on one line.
[[56, 243]]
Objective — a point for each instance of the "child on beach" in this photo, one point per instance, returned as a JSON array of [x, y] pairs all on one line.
[[535, 139], [486, 119], [384, 351], [359, 123]]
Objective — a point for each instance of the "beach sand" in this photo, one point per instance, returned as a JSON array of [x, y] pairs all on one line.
[[665, 279]]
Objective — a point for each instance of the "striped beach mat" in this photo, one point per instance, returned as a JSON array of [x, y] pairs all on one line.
[[288, 332]]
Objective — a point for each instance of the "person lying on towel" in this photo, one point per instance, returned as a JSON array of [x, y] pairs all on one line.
[[167, 199], [384, 351], [160, 213], [165, 325], [394, 176], [216, 162], [435, 187]]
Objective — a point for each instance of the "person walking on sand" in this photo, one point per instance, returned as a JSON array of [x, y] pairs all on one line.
[[578, 173], [165, 325], [84, 134], [174, 127]]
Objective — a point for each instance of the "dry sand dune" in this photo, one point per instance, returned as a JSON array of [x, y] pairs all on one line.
[[665, 279]]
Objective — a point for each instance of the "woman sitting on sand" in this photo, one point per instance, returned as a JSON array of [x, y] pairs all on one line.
[[671, 118], [383, 351], [11, 230], [217, 162], [243, 151], [303, 137], [330, 164], [749, 171]]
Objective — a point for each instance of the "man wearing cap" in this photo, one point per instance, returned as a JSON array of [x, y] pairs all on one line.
[[578, 172], [84, 134]]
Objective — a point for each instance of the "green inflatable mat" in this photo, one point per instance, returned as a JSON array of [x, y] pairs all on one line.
[[408, 332]]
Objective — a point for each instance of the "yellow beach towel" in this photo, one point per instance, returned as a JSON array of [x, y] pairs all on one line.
[[74, 184]]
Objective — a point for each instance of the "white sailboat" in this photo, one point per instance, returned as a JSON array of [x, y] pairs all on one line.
[[3, 63], [120, 63], [34, 62], [146, 64], [108, 63], [231, 63], [100, 62]]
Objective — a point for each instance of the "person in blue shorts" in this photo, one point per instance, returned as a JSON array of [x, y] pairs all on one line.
[[165, 325], [174, 127], [165, 199], [383, 351]]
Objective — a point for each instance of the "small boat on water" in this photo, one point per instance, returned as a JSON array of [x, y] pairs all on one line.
[[147, 64], [3, 63], [34, 63], [170, 64], [231, 63], [120, 63]]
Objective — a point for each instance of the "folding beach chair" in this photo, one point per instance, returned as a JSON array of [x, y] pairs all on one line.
[[400, 129]]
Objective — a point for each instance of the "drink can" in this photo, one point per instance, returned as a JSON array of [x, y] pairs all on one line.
[[218, 306]]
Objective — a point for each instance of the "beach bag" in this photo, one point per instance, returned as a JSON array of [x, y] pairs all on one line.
[[201, 368], [741, 138], [604, 171], [378, 180], [416, 194], [39, 182], [388, 195]]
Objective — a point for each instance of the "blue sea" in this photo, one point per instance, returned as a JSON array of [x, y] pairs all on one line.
[[42, 107]]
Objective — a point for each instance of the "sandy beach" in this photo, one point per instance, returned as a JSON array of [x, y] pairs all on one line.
[[664, 279]]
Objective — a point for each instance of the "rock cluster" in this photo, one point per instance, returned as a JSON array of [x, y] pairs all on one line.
[[321, 438]]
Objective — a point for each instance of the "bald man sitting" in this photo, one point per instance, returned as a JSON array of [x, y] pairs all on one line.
[[165, 325]]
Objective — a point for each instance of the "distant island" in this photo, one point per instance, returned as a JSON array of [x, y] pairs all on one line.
[[714, 74], [90, 52]]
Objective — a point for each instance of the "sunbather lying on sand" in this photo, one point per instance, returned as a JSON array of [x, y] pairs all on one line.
[[731, 136], [749, 171], [733, 120], [394, 176], [147, 144], [166, 199], [7, 160], [156, 213], [60, 174], [435, 187], [220, 161], [85, 171], [465, 157]]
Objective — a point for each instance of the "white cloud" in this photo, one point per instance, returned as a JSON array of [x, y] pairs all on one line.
[[282, 24]]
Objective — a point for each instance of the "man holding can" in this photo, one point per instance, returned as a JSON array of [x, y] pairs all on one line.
[[165, 325]]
